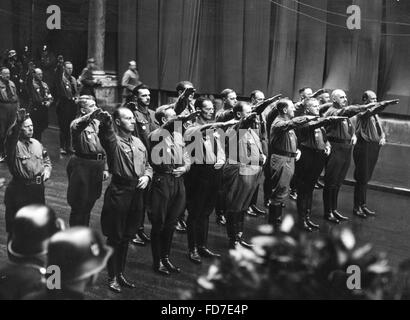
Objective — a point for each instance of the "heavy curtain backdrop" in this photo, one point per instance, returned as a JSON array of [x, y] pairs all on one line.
[[272, 45]]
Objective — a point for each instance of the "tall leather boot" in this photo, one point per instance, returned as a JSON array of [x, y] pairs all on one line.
[[156, 252], [239, 231], [302, 207], [122, 259], [309, 222], [166, 243], [231, 229], [364, 207], [275, 216], [112, 267], [357, 201], [335, 196], [327, 205], [191, 234]]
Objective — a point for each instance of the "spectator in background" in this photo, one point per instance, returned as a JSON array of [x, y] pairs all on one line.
[[130, 80]]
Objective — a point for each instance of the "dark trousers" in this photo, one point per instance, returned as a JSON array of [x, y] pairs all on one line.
[[168, 201], [18, 195], [201, 189], [7, 118], [121, 212], [267, 182], [282, 169], [220, 197], [365, 155], [335, 172], [66, 112], [254, 199], [308, 170], [84, 188], [39, 116]]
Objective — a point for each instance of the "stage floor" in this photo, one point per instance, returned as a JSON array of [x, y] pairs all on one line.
[[388, 232]]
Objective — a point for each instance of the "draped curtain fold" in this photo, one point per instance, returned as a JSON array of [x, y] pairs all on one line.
[[275, 46]]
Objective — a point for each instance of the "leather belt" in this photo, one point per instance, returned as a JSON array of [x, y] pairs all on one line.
[[284, 153], [338, 140], [36, 180], [310, 148], [91, 156]]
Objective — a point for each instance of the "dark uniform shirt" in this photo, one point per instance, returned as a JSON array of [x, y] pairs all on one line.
[[369, 129], [26, 158], [168, 151], [249, 153], [127, 156], [39, 92], [208, 150], [84, 133], [66, 85], [313, 136], [342, 131], [145, 122], [283, 136]]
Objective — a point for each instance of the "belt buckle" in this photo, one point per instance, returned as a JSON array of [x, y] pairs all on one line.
[[99, 156], [39, 180]]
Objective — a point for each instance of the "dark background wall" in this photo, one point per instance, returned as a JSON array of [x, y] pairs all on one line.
[[276, 46]]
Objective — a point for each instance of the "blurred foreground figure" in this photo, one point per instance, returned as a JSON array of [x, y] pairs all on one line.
[[27, 249], [79, 255]]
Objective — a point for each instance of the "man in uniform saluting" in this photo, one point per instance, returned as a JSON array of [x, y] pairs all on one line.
[[144, 125], [370, 138], [87, 169], [30, 166], [170, 162], [283, 148], [123, 205], [342, 137]]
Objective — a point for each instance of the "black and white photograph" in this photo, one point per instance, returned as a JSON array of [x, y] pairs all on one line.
[[191, 152]]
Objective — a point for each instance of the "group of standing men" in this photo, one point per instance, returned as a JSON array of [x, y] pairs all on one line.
[[179, 158]]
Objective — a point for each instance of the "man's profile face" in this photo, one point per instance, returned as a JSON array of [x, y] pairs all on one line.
[[126, 120], [231, 100], [88, 107], [371, 97], [207, 110], [258, 98], [27, 129], [307, 93], [144, 97], [339, 97], [313, 108]]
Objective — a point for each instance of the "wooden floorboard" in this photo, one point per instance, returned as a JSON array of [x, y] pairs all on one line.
[[389, 232]]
